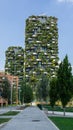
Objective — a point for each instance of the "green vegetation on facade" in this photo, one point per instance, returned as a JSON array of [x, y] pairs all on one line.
[[14, 64], [41, 48]]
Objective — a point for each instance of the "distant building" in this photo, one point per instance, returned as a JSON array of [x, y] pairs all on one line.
[[13, 81], [14, 64], [3, 102], [41, 47]]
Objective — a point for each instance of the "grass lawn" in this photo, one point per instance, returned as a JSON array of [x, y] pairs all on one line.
[[10, 113], [2, 120], [63, 123], [57, 108]]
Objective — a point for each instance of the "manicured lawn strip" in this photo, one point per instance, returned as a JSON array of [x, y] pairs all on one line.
[[63, 123], [57, 108], [2, 120], [10, 113]]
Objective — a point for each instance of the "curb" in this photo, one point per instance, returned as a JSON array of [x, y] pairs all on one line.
[[1, 125], [53, 124], [51, 121]]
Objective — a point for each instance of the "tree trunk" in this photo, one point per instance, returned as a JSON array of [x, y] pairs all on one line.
[[64, 111], [52, 110]]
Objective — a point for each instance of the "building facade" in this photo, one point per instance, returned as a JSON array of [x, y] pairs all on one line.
[[14, 64], [41, 47], [13, 88]]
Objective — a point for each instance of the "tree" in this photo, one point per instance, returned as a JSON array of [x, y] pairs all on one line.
[[23, 84], [53, 92], [26, 93], [14, 94], [72, 85], [43, 88], [6, 89], [64, 87]]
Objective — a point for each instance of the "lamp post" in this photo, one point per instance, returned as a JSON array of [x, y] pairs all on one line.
[[11, 89], [11, 92], [1, 96], [1, 91], [19, 94]]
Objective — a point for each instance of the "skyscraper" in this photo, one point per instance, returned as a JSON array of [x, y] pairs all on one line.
[[41, 47], [14, 64]]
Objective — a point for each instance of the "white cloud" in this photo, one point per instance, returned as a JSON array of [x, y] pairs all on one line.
[[71, 1]]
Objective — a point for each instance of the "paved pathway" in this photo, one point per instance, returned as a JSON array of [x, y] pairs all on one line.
[[30, 118]]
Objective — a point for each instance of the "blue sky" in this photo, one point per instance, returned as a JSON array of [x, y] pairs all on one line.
[[13, 14]]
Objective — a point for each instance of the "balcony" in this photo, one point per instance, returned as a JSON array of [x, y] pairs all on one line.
[[53, 76], [49, 63], [53, 57], [38, 59], [39, 33], [53, 41], [48, 45], [38, 41], [57, 66], [34, 35], [47, 27], [52, 25], [33, 19], [45, 72], [34, 72], [45, 54], [27, 76], [29, 38], [34, 53]]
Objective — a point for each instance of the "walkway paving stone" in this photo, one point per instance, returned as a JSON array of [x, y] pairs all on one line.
[[30, 118]]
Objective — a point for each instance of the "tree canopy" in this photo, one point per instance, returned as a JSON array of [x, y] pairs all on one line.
[[26, 93], [53, 92], [6, 89], [43, 88], [64, 76]]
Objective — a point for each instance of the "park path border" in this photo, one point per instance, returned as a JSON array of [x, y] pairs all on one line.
[[2, 124]]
